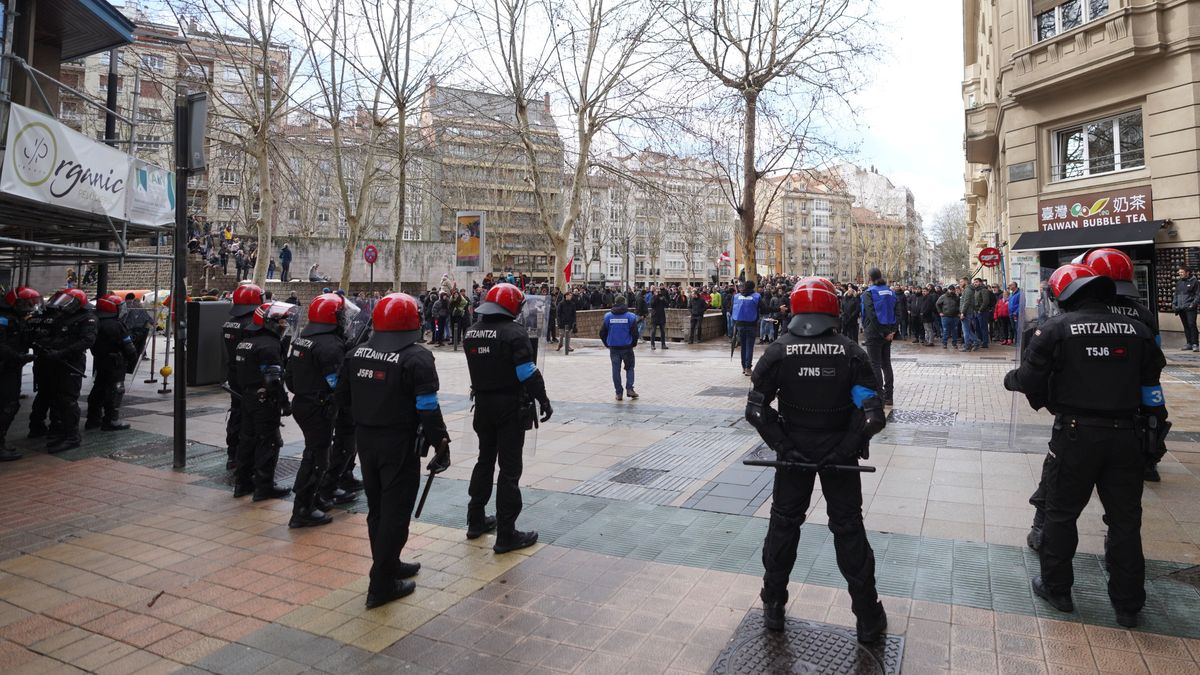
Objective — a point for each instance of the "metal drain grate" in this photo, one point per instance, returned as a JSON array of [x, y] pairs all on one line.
[[923, 417], [1183, 374], [136, 453], [903, 359], [638, 476], [725, 391], [936, 364], [805, 647]]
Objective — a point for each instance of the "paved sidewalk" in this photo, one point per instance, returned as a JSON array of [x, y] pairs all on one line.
[[651, 533]]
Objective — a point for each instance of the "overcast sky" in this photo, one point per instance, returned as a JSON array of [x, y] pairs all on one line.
[[912, 113]]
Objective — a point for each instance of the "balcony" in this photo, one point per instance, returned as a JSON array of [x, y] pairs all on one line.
[[982, 138], [1124, 38]]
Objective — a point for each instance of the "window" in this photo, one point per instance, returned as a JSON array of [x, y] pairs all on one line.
[[1107, 145], [149, 138], [154, 62], [196, 71], [103, 58], [322, 215], [325, 190], [614, 269], [104, 84], [408, 234], [675, 265], [1050, 19], [230, 176], [149, 115], [68, 111], [227, 202], [293, 214], [231, 74]]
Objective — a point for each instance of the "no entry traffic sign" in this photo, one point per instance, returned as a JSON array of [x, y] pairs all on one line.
[[989, 257], [370, 254]]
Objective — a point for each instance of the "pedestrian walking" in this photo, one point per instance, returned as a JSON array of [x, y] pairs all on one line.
[[1098, 372], [879, 328], [746, 308], [618, 333]]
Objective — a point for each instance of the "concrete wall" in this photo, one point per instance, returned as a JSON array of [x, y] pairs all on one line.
[[678, 322], [422, 262]]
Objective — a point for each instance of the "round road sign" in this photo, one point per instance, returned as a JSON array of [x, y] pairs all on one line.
[[370, 254], [989, 257]]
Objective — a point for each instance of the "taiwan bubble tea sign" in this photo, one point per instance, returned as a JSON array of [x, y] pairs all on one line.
[[1096, 209]]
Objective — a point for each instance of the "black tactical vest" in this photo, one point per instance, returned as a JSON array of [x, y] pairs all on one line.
[[382, 385], [494, 349], [815, 378], [1098, 362], [312, 359]]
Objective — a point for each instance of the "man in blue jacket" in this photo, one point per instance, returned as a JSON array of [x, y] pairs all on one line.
[[745, 314], [879, 327], [618, 332]]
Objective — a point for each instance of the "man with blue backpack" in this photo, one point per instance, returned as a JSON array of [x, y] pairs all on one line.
[[879, 327], [745, 313]]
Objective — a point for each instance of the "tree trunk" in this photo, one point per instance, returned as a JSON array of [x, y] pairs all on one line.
[[398, 241], [749, 185], [561, 255], [348, 252], [266, 210]]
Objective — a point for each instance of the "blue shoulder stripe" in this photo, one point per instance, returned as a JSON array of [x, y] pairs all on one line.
[[859, 394], [526, 370], [427, 401]]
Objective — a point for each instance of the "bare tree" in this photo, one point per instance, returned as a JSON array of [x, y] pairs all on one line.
[[251, 102], [950, 235], [779, 64]]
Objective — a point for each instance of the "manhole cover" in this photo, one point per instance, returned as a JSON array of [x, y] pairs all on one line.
[[725, 391], [805, 647], [147, 450], [1188, 375], [925, 417], [1189, 576], [935, 364], [637, 476]]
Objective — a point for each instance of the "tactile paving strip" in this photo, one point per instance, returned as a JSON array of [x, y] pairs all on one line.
[[736, 392], [925, 417], [805, 647]]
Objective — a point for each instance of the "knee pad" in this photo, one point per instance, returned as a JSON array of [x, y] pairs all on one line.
[[842, 527]]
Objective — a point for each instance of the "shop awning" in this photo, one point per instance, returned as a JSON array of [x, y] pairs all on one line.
[[82, 27], [1089, 237]]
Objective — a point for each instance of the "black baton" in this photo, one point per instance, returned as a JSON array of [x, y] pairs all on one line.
[[421, 504], [226, 387], [808, 466]]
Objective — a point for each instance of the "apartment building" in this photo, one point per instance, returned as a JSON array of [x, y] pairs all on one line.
[[809, 222], [877, 194], [1080, 133]]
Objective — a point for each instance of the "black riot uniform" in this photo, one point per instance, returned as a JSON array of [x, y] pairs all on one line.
[[311, 375], [37, 327], [259, 362], [232, 332], [828, 410], [391, 384], [14, 354], [69, 335], [505, 382], [1098, 372], [111, 353]]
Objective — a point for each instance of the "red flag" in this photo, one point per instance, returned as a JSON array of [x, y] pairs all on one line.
[[567, 269]]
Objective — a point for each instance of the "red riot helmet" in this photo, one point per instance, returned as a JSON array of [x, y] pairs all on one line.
[[329, 312], [1114, 264], [396, 322], [503, 300], [815, 307], [109, 305], [246, 299], [68, 301], [22, 299], [274, 317], [1069, 279]]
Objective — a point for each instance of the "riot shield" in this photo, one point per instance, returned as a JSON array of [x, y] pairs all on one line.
[[1035, 307], [535, 315]]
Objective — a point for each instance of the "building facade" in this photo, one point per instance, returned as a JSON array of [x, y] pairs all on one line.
[[885, 200], [810, 215], [1080, 132]]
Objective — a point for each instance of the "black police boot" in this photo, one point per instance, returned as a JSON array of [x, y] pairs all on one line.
[[7, 454], [477, 529], [340, 496], [399, 589], [407, 570], [62, 445], [243, 489], [114, 426], [872, 627], [1150, 474], [272, 492], [91, 424], [774, 616], [36, 432], [1061, 602], [1127, 619], [514, 541], [309, 518], [322, 503], [350, 484]]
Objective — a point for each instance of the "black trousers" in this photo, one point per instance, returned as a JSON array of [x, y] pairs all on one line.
[[1188, 318], [341, 454], [694, 329], [501, 440], [855, 558], [103, 400], [391, 477], [1111, 461], [65, 387], [316, 423], [233, 426], [850, 329], [10, 400], [41, 399], [258, 447], [660, 330], [879, 351]]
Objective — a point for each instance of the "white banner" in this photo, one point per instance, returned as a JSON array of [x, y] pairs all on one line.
[[151, 195], [53, 164]]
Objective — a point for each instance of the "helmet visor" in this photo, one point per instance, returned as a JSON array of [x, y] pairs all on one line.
[[63, 302], [349, 313]]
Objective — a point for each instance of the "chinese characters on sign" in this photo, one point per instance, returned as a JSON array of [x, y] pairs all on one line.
[[1096, 209]]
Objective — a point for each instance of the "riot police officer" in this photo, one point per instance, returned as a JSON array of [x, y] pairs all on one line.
[[312, 375], [829, 407], [505, 382], [259, 361], [37, 326], [246, 299], [1098, 372], [391, 384], [15, 306], [70, 333], [111, 353]]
